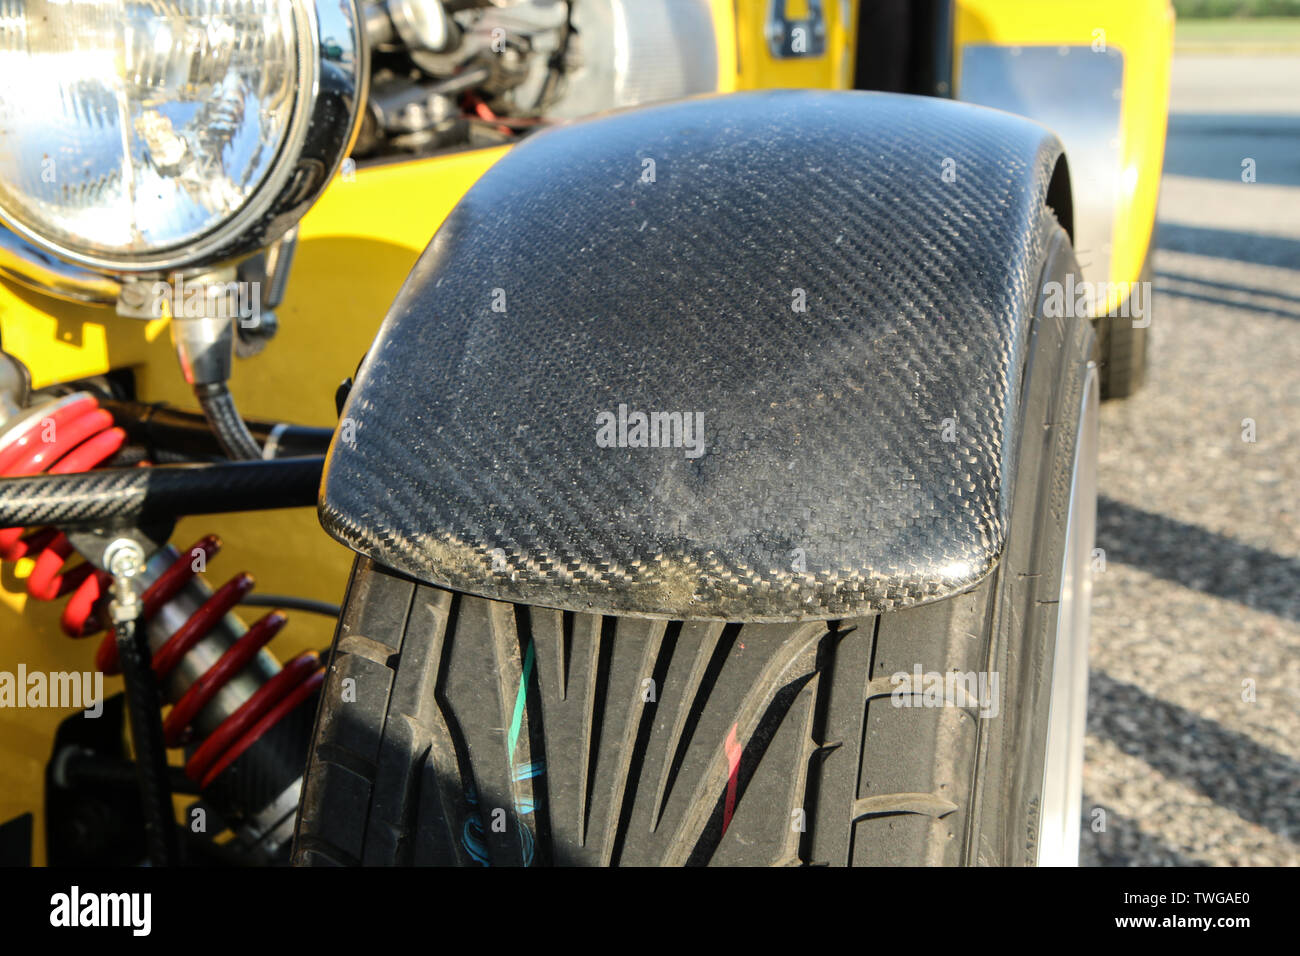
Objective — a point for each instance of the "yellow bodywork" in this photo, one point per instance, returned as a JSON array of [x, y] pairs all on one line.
[[1143, 31], [355, 248], [757, 69]]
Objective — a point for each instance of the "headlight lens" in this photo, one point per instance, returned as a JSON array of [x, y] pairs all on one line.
[[133, 127], [131, 132]]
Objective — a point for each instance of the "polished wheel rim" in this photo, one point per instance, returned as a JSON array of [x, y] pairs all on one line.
[[1062, 796]]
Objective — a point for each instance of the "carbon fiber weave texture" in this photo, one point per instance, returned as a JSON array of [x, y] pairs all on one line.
[[110, 495], [468, 453]]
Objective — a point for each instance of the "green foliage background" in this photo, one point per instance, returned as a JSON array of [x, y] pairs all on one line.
[[1237, 8]]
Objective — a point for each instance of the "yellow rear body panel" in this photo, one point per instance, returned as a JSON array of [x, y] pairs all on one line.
[[758, 69], [1143, 31]]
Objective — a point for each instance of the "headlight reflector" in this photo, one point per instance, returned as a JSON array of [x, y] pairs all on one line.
[[141, 135]]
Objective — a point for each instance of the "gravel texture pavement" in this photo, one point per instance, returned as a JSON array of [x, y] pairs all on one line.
[[1193, 752]]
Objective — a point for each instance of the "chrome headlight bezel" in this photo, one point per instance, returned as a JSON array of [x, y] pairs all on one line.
[[333, 78]]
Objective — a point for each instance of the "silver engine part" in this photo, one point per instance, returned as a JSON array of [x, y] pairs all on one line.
[[638, 51], [525, 62]]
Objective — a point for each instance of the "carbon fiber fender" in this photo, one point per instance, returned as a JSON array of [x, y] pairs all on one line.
[[754, 357]]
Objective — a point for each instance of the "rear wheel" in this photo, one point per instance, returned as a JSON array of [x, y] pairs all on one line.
[[458, 730], [1123, 347]]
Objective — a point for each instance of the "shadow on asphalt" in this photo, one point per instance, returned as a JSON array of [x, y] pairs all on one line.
[[1258, 784], [1226, 286], [1124, 842], [1230, 244], [1211, 292], [1229, 303], [1198, 558], [1214, 145]]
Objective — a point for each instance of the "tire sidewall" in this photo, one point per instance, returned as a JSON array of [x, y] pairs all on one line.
[[1012, 754]]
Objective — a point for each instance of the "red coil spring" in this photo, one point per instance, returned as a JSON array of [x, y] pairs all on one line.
[[76, 436]]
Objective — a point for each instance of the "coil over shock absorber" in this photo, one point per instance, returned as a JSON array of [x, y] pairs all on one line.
[[244, 721]]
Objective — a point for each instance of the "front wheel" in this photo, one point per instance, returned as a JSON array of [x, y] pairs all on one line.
[[457, 730]]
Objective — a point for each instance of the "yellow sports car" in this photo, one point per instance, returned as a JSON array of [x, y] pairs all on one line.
[[661, 431]]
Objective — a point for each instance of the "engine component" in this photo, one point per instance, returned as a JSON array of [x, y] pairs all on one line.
[[421, 25], [630, 52]]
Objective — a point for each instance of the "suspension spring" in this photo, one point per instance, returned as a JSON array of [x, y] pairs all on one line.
[[226, 691]]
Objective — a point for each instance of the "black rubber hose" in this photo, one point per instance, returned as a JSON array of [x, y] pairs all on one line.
[[232, 434], [166, 432], [287, 602], [144, 708], [138, 495]]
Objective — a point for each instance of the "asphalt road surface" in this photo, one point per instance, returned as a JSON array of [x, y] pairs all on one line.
[[1193, 752]]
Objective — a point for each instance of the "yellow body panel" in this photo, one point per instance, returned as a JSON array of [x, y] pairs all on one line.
[[1142, 30], [758, 69], [724, 24], [355, 248]]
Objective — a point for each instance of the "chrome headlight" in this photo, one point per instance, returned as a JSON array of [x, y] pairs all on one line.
[[153, 135]]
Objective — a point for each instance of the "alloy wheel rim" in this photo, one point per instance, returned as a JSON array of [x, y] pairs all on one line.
[[1062, 793]]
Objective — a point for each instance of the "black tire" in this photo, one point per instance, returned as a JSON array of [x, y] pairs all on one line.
[[763, 744], [1123, 348]]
